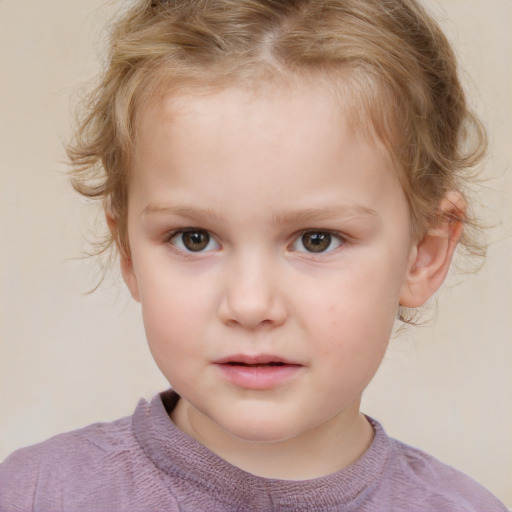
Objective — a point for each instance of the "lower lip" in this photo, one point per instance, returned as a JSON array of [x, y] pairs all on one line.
[[258, 377]]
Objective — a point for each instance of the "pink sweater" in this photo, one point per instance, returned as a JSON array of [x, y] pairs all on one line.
[[144, 463]]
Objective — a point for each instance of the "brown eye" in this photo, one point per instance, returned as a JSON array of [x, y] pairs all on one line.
[[317, 242], [194, 241]]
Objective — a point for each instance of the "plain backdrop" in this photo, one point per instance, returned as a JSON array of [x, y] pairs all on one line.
[[68, 359]]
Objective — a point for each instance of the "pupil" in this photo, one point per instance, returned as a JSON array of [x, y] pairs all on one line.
[[195, 240], [316, 242]]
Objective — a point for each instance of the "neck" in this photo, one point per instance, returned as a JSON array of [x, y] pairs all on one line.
[[323, 450]]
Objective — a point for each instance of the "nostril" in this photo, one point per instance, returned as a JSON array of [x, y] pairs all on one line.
[[252, 301]]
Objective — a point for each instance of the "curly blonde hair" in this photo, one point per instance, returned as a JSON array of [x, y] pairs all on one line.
[[390, 55]]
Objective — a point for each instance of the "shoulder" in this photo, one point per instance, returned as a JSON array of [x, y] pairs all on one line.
[[425, 479], [59, 465]]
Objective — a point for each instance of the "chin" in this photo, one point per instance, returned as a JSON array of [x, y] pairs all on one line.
[[260, 431]]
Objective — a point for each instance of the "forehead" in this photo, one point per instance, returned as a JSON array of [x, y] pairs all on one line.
[[317, 112], [278, 116], [364, 100], [265, 149]]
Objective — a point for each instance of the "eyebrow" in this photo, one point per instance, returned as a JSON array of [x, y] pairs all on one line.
[[283, 217], [319, 214], [192, 213]]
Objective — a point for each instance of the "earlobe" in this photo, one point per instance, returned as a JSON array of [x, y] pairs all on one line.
[[127, 270], [431, 256]]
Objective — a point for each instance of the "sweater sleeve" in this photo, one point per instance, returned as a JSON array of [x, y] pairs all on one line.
[[19, 475], [423, 479], [100, 467], [66, 471]]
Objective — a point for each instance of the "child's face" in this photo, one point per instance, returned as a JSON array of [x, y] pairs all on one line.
[[263, 230]]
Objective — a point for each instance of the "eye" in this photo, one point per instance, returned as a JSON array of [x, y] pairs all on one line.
[[317, 242], [193, 240]]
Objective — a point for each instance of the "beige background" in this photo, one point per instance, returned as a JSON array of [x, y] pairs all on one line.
[[69, 359]]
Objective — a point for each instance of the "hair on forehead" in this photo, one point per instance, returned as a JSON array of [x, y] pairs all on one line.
[[386, 62]]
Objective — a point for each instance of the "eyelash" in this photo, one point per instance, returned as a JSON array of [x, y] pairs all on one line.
[[326, 236], [191, 231], [332, 236]]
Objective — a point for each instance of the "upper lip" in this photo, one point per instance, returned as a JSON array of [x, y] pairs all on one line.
[[252, 359]]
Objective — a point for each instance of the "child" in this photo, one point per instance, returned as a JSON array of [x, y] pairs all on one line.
[[282, 179]]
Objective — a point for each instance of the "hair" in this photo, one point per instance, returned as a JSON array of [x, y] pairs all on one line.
[[388, 56]]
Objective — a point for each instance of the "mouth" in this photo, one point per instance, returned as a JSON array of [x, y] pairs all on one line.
[[261, 372], [262, 360], [257, 365]]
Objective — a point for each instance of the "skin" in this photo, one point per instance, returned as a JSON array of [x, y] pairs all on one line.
[[255, 170]]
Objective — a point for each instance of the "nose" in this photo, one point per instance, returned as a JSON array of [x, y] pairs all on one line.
[[252, 295]]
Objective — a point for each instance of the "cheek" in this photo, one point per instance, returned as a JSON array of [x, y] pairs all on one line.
[[352, 317], [173, 334], [172, 292], [172, 313], [353, 346]]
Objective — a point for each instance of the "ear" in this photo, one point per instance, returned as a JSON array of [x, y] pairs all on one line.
[[431, 256], [127, 270]]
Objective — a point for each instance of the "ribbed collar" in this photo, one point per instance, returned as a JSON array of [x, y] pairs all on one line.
[[177, 454]]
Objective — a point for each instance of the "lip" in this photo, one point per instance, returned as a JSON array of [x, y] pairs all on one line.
[[255, 359], [257, 372]]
